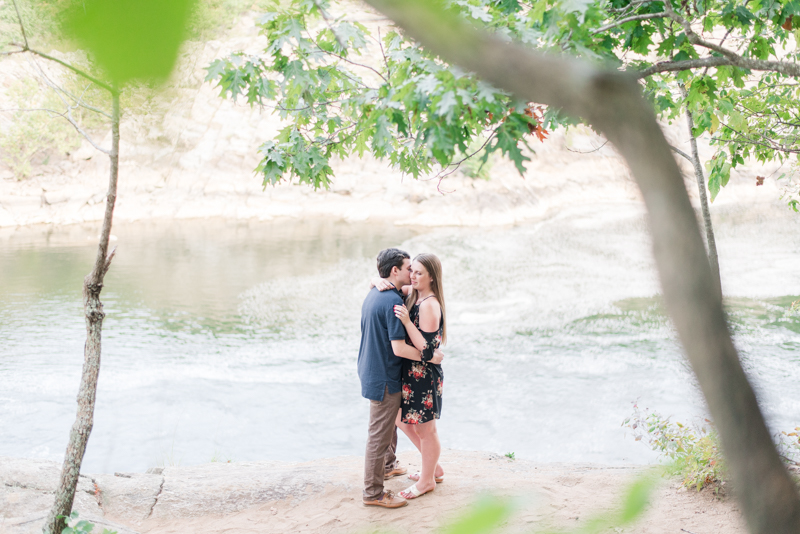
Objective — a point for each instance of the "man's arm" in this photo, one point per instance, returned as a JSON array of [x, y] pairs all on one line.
[[401, 350]]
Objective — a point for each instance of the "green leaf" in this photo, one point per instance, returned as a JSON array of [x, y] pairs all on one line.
[[481, 518], [130, 39], [637, 498], [537, 13], [744, 16]]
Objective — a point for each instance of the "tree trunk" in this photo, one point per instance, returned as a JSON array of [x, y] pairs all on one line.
[[612, 103], [93, 310], [711, 243]]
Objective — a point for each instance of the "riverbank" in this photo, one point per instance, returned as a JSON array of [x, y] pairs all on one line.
[[324, 496]]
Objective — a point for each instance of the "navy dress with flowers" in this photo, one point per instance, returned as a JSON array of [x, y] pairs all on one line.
[[422, 381]]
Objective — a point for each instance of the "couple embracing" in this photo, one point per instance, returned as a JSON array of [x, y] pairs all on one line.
[[399, 364]]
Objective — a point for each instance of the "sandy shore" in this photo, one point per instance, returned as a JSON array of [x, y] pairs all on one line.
[[324, 496]]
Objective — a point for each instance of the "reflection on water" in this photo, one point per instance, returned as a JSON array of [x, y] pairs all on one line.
[[231, 340]]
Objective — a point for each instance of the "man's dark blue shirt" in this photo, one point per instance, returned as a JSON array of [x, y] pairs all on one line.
[[378, 367]]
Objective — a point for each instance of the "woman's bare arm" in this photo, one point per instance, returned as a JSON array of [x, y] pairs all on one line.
[[428, 321], [383, 284], [402, 350]]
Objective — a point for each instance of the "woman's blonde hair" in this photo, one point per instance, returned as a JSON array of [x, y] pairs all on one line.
[[434, 268]]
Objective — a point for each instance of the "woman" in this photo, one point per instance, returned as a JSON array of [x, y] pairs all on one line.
[[422, 380]]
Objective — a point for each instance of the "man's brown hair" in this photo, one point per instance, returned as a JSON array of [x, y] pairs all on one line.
[[390, 257]]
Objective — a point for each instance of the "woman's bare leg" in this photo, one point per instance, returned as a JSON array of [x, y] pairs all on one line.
[[431, 449], [411, 432], [408, 430]]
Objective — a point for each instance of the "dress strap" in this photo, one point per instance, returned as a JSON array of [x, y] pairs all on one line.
[[426, 298]]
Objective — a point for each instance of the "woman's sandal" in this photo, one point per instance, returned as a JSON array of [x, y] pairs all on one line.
[[412, 492], [415, 478]]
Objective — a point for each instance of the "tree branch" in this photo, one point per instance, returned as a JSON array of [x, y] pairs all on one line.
[[680, 152], [587, 151], [442, 175], [736, 60], [328, 23], [688, 64], [21, 26], [629, 6], [76, 70], [620, 22], [81, 103], [68, 113]]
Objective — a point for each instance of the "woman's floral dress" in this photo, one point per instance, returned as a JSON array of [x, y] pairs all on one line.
[[422, 381]]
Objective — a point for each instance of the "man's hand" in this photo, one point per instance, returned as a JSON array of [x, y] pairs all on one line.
[[438, 356]]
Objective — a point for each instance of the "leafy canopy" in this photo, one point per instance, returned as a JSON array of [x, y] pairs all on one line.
[[344, 89], [347, 89]]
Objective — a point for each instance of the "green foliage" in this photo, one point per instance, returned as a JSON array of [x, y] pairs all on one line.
[[510, 456], [346, 91], [694, 451], [746, 114], [209, 17], [634, 503], [485, 516], [39, 136], [41, 22], [82, 526], [789, 442], [32, 138], [491, 513], [130, 39]]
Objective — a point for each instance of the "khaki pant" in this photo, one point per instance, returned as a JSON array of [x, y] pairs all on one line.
[[381, 443]]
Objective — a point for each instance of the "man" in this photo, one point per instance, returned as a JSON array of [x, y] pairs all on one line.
[[379, 364]]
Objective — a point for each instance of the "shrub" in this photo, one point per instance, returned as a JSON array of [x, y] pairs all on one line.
[[694, 450]]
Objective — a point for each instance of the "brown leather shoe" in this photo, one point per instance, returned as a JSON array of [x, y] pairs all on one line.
[[396, 470], [387, 500]]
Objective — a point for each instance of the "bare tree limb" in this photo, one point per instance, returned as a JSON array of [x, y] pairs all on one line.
[[588, 151], [346, 60], [782, 67], [108, 260], [68, 113], [620, 22], [629, 6], [612, 103], [74, 69], [441, 175], [21, 26], [688, 64], [81, 103], [681, 152]]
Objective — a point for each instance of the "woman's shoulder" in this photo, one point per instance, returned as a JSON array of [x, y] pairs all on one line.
[[429, 304]]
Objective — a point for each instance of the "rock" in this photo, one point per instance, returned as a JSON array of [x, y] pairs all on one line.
[[26, 494], [225, 488], [36, 475], [33, 523], [128, 497]]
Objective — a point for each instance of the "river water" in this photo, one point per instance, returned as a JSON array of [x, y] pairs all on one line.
[[237, 340]]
